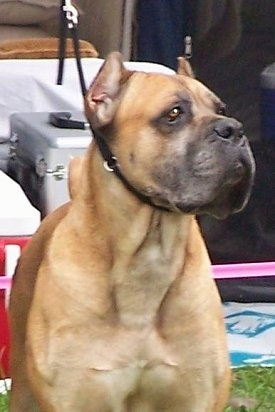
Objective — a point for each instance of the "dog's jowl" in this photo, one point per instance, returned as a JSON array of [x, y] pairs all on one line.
[[113, 306]]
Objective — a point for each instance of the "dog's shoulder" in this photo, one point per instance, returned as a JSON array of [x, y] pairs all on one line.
[[33, 253], [24, 280]]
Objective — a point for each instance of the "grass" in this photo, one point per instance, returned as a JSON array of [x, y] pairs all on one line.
[[252, 382], [257, 383], [4, 400], [3, 403]]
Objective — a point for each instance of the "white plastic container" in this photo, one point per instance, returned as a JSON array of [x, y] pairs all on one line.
[[18, 221], [17, 216]]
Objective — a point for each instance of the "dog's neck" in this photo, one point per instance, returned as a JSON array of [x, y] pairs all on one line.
[[151, 242]]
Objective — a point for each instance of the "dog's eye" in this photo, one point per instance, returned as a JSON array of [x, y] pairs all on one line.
[[174, 114], [221, 110], [173, 117]]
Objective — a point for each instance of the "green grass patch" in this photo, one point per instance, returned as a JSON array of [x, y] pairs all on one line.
[[253, 382], [257, 383], [4, 402]]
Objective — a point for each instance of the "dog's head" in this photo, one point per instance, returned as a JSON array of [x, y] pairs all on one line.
[[172, 139]]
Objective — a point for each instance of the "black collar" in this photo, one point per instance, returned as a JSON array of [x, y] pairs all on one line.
[[111, 164]]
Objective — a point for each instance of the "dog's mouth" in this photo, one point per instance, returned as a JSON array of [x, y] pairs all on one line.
[[219, 198], [229, 200]]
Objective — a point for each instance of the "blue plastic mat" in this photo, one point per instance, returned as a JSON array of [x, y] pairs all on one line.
[[251, 333]]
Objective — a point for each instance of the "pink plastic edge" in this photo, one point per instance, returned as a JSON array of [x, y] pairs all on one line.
[[244, 270], [5, 282], [229, 271]]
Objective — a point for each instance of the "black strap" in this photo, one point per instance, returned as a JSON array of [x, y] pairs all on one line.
[[78, 60], [62, 42], [69, 22], [111, 164]]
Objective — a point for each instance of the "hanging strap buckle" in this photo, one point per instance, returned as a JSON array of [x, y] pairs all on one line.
[[71, 14], [188, 47]]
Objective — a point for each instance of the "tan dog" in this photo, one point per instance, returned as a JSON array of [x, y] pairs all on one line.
[[113, 306]]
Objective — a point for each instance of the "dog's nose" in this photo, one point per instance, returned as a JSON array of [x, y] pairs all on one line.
[[229, 128]]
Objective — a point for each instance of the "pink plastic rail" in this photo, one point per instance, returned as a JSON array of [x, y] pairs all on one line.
[[5, 282], [244, 270], [229, 271]]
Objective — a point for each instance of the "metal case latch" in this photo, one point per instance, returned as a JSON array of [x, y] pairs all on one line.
[[59, 173]]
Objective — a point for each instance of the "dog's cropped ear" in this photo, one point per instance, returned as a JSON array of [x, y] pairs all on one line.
[[100, 100], [184, 67]]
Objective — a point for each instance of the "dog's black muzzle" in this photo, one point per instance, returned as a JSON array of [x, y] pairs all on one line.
[[213, 174], [234, 168], [229, 129]]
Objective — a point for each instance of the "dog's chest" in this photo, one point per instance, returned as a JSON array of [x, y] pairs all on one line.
[[141, 283]]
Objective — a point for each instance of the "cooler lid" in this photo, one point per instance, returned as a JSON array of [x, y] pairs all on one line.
[[35, 132], [17, 216]]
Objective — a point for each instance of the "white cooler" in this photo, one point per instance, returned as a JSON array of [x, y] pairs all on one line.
[[18, 221]]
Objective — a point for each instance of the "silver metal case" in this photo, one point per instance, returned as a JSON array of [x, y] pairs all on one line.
[[39, 156]]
